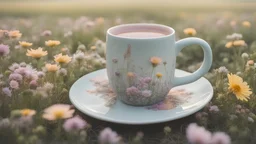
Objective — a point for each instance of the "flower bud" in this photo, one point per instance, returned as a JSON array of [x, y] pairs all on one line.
[[245, 56], [167, 130]]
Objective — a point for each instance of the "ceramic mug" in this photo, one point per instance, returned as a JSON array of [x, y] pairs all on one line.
[[141, 69]]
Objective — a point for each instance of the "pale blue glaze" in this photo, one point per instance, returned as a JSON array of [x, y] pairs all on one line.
[[141, 50]]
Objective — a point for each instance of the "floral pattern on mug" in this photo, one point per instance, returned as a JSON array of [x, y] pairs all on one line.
[[174, 98], [143, 87]]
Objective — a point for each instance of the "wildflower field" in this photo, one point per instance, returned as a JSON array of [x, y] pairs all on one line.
[[42, 55]]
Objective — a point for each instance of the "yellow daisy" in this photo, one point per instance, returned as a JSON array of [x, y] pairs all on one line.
[[229, 44], [52, 67], [36, 53], [239, 43], [25, 44], [27, 112], [14, 34], [246, 24], [58, 111], [159, 75], [238, 87], [52, 43], [130, 74], [155, 61], [62, 58], [190, 31]]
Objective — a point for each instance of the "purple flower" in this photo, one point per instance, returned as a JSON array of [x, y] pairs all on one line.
[[7, 91], [146, 93], [214, 108], [107, 136], [198, 135], [14, 84], [74, 124], [40, 74], [147, 80], [15, 76], [220, 138], [132, 91], [142, 85], [4, 50]]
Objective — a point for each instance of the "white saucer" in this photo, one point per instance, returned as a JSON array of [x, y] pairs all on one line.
[[91, 95]]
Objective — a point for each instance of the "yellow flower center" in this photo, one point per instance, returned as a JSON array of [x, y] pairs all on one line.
[[236, 88], [58, 114], [25, 112]]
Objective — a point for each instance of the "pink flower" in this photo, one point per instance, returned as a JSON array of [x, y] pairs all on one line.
[[4, 50], [214, 108], [107, 136], [14, 84], [147, 80], [198, 135], [74, 124], [146, 93], [132, 91], [33, 84], [16, 77], [220, 138]]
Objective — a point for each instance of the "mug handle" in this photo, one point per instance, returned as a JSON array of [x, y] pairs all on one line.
[[204, 68]]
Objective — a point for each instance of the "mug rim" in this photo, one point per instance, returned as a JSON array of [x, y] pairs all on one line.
[[170, 30]]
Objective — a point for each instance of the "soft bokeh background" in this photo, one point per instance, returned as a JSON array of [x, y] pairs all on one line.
[[80, 26]]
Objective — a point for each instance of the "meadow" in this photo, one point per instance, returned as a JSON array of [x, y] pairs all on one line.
[[46, 47]]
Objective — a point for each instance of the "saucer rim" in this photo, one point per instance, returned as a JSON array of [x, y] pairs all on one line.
[[107, 119]]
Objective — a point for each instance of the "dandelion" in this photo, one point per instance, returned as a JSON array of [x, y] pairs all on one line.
[[220, 138], [14, 84], [223, 69], [107, 136], [52, 67], [27, 112], [190, 31], [36, 53], [14, 34], [79, 56], [159, 75], [52, 43], [155, 61], [25, 44], [245, 56], [74, 124], [238, 87], [4, 50], [246, 24], [239, 43], [62, 58], [58, 111], [62, 72], [198, 135], [7, 91]]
